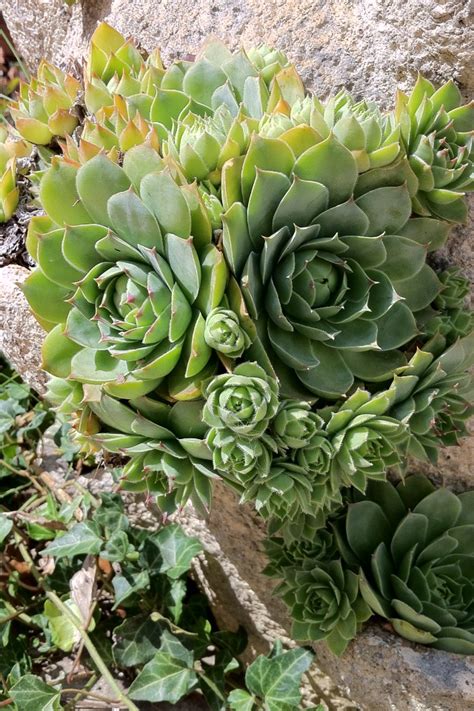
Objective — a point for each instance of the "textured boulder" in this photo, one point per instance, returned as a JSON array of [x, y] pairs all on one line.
[[20, 334], [366, 45], [370, 47]]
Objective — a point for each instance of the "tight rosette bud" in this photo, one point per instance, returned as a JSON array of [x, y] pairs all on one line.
[[452, 324], [364, 439], [432, 395], [224, 333], [321, 549], [436, 130], [44, 107], [283, 493], [325, 603], [243, 401], [454, 291], [240, 459], [295, 424]]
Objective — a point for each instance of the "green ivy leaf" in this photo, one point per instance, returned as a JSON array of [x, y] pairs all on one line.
[[63, 633], [125, 586], [9, 409], [169, 676], [6, 626], [117, 547], [81, 539], [110, 515], [6, 526], [277, 680], [138, 639], [31, 693], [240, 700], [176, 596], [177, 550]]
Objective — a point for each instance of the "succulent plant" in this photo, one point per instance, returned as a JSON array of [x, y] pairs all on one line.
[[359, 126], [325, 603], [243, 401], [9, 193], [219, 77], [234, 286], [167, 455], [448, 315], [45, 107], [451, 324], [202, 145], [282, 493], [454, 291], [412, 544], [436, 130], [365, 441], [111, 56], [321, 548], [238, 458], [129, 305], [353, 443], [432, 395], [224, 333], [331, 282], [295, 425]]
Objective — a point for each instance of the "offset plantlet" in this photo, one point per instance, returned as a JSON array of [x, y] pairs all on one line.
[[45, 107], [437, 135]]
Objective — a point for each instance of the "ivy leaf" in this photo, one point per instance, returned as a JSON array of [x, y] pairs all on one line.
[[17, 391], [169, 676], [240, 700], [125, 586], [138, 639], [9, 409], [110, 515], [63, 633], [6, 526], [117, 547], [277, 680], [82, 538], [176, 596], [6, 626], [32, 693], [177, 550]]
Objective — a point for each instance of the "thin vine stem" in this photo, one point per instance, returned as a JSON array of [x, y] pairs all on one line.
[[95, 656]]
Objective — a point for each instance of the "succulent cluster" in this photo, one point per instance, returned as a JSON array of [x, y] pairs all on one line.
[[402, 552], [11, 150], [235, 280]]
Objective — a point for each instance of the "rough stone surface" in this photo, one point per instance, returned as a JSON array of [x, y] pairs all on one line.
[[370, 47], [20, 334]]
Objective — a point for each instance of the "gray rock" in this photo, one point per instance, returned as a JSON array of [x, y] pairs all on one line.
[[20, 334], [368, 46]]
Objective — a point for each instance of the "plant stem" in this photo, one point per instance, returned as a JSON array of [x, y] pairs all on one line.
[[211, 685], [95, 656], [92, 695], [156, 616]]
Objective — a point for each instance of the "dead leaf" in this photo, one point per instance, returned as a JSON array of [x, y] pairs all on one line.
[[105, 566], [83, 588]]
